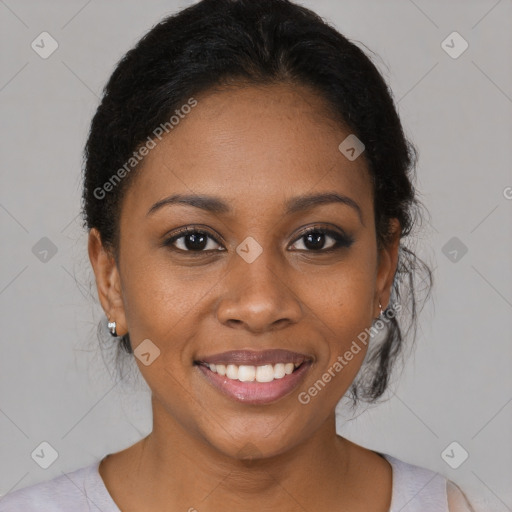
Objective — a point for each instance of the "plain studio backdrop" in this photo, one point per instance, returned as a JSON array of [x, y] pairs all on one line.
[[450, 69]]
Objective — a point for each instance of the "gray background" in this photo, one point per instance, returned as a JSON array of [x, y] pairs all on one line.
[[58, 387]]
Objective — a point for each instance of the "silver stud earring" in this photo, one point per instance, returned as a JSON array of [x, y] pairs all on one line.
[[380, 306], [112, 328]]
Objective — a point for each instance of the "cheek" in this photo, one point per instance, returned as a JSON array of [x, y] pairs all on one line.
[[341, 306], [346, 325], [342, 318], [158, 297], [343, 297]]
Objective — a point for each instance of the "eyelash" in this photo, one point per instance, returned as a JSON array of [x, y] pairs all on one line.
[[341, 240]]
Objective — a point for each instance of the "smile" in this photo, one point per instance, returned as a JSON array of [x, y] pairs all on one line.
[[255, 384]]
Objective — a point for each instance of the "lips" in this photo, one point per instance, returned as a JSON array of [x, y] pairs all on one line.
[[255, 358], [220, 369], [256, 393]]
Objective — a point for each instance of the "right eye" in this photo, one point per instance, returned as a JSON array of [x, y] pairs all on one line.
[[192, 240]]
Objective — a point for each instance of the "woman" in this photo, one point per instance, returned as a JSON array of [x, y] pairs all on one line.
[[247, 189]]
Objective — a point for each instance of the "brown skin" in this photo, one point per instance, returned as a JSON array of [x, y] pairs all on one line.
[[254, 147]]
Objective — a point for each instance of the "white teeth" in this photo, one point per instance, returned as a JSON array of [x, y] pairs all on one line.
[[246, 373], [265, 373], [279, 372], [231, 371]]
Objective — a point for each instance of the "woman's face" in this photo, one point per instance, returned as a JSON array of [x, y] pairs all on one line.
[[247, 276]]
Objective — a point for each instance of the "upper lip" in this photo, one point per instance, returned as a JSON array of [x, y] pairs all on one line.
[[255, 358]]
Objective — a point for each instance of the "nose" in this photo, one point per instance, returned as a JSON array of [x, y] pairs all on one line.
[[257, 297]]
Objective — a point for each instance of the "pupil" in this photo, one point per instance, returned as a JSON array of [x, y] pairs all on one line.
[[315, 240], [197, 241]]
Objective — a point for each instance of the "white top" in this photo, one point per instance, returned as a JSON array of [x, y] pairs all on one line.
[[415, 489]]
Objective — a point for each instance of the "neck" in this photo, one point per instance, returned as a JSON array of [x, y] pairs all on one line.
[[168, 457]]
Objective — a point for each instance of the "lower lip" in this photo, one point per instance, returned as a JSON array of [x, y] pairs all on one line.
[[256, 392]]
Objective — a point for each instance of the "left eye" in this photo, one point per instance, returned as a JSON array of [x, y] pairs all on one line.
[[315, 239]]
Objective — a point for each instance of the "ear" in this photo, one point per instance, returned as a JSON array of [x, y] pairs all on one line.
[[387, 264], [108, 281]]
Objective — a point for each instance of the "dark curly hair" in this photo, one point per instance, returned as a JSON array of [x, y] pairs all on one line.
[[228, 42]]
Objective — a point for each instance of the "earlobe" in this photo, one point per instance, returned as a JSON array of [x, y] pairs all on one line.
[[108, 282]]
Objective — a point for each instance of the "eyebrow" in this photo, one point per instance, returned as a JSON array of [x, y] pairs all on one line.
[[218, 206]]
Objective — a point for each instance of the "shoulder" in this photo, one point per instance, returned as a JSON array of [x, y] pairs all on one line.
[[457, 501], [69, 491], [416, 489]]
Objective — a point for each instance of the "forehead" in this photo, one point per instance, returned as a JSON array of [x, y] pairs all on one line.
[[252, 145]]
